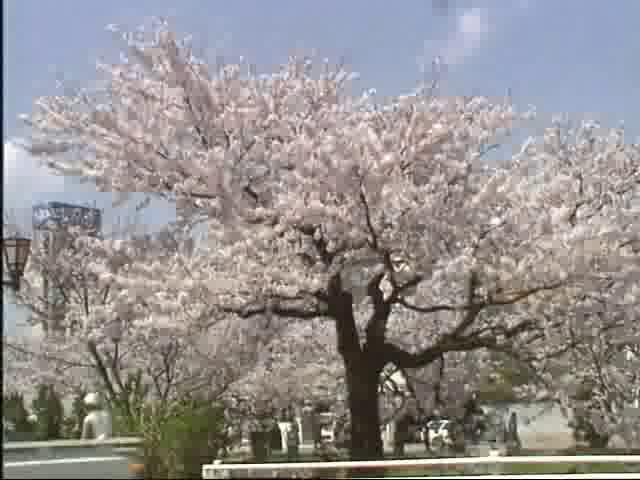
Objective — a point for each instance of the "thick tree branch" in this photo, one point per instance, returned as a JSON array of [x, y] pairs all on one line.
[[403, 359], [374, 243], [472, 313], [432, 309], [377, 325], [340, 309], [451, 343], [508, 298], [277, 309], [402, 288], [102, 369], [438, 387]]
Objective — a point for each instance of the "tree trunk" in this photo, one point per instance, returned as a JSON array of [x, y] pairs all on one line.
[[363, 365], [362, 384]]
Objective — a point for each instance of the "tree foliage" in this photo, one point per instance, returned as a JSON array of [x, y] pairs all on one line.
[[86, 339]]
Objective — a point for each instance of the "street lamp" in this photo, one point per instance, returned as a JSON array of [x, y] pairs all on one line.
[[16, 252]]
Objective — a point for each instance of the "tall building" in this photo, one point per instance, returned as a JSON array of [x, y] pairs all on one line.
[[51, 222]]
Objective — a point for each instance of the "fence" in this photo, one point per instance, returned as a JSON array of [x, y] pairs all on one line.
[[486, 467]]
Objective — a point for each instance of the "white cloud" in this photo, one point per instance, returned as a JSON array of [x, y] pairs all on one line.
[[472, 28], [25, 181]]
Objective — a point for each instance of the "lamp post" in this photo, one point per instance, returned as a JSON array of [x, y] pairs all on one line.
[[114, 332], [16, 252]]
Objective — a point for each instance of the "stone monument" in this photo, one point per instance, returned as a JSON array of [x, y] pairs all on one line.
[[97, 425]]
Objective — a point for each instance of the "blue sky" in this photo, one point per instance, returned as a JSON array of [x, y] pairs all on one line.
[[572, 56]]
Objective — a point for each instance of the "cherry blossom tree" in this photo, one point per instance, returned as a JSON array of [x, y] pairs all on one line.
[[396, 221], [87, 336], [445, 385], [288, 374], [606, 381]]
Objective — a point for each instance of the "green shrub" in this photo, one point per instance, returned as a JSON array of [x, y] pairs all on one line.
[[15, 412], [178, 438], [128, 406]]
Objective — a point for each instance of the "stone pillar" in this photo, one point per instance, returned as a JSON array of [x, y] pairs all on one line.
[[299, 422], [389, 435], [284, 430]]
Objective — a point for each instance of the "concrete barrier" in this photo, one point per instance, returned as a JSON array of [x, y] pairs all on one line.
[[70, 459]]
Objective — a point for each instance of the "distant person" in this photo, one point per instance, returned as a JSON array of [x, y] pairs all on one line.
[[472, 407], [513, 439], [316, 429], [406, 419], [97, 423], [473, 419], [434, 416], [401, 436]]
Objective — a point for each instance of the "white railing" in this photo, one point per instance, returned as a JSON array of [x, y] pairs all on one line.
[[339, 469]]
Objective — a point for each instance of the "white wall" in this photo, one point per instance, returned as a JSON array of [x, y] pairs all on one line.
[[541, 425]]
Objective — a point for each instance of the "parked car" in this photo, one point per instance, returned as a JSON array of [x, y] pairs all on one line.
[[327, 425], [444, 435]]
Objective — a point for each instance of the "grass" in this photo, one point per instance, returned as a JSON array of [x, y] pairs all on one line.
[[515, 469], [528, 468]]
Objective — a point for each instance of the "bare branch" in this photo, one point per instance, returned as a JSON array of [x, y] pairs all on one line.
[[45, 356], [367, 215], [433, 308], [509, 298]]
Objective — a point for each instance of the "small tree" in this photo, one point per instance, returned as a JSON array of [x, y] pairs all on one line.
[[72, 427], [102, 335], [15, 413], [49, 412]]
